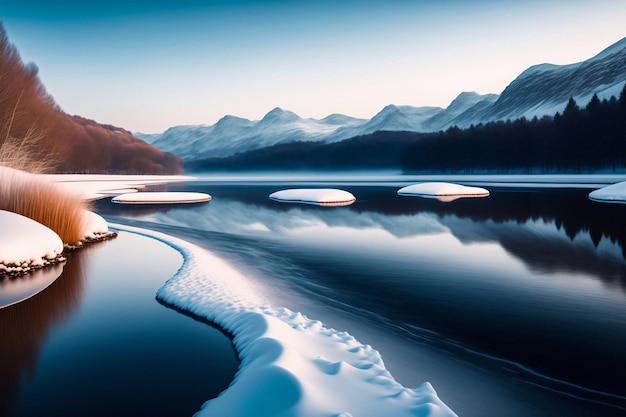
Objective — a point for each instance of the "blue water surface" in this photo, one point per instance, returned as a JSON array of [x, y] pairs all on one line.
[[97, 342]]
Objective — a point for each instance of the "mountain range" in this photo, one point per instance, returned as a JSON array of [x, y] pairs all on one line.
[[541, 90]]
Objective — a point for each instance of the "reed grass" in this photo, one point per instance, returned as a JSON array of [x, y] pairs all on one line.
[[19, 153], [34, 197]]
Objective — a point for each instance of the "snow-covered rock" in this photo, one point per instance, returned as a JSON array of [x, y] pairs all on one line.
[[317, 196], [444, 191], [94, 225], [615, 193], [26, 244], [161, 198]]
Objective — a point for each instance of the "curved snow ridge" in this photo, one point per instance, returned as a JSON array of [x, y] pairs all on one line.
[[290, 365]]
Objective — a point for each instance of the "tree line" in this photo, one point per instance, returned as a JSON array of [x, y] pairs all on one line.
[[578, 140], [380, 150]]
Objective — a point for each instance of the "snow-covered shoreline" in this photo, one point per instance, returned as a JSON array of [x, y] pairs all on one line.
[[40, 219], [26, 245], [290, 365]]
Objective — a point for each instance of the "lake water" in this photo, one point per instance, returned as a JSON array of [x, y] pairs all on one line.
[[97, 343], [510, 305]]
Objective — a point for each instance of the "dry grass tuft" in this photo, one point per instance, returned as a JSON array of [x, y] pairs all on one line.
[[31, 196], [18, 153]]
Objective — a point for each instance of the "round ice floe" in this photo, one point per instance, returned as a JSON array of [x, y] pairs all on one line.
[[443, 191], [161, 198], [318, 196], [25, 242], [615, 193]]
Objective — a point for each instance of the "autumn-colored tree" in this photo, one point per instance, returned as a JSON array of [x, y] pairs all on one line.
[[35, 133]]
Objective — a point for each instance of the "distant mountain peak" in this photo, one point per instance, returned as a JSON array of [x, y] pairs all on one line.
[[466, 99], [340, 119], [390, 108], [230, 120], [278, 114]]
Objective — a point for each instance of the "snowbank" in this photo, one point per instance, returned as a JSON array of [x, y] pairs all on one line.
[[95, 227], [319, 196], [615, 193], [161, 198], [443, 191], [26, 244], [290, 365]]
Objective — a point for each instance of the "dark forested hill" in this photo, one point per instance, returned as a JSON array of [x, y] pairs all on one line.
[[380, 150], [578, 140]]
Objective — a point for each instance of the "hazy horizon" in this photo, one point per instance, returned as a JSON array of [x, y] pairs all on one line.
[[146, 66]]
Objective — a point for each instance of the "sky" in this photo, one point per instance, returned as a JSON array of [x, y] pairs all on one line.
[[149, 65]]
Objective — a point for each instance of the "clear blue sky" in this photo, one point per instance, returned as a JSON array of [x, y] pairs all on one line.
[[149, 65]]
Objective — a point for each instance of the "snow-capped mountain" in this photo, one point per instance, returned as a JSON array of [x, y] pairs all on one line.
[[466, 106], [545, 89], [540, 90], [234, 134]]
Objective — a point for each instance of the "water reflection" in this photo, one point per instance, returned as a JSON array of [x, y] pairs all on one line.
[[26, 325], [449, 198], [98, 332], [14, 290], [549, 230], [524, 278]]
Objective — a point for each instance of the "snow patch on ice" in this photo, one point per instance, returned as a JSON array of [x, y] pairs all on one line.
[[317, 196], [290, 365], [443, 191], [97, 186], [161, 198], [615, 193]]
